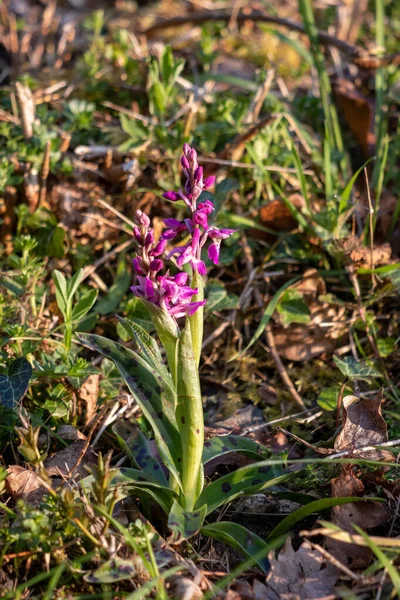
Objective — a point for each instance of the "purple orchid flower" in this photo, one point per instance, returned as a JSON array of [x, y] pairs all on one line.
[[171, 292]]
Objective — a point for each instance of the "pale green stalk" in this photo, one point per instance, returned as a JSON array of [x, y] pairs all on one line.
[[189, 417], [197, 320]]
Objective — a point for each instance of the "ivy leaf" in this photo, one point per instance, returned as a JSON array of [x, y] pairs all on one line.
[[14, 385], [353, 369], [293, 308]]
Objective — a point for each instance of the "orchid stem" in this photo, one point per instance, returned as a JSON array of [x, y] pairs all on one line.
[[197, 320]]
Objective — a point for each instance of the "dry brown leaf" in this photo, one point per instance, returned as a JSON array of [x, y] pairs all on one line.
[[275, 215], [358, 112], [362, 256], [63, 461], [363, 425], [185, 589], [88, 395], [23, 483], [365, 514], [70, 433], [299, 342], [301, 575], [350, 15]]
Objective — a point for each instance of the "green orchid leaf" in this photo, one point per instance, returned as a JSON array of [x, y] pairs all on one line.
[[147, 346], [14, 385], [83, 306], [61, 292], [245, 481], [141, 453], [241, 539], [311, 507], [168, 333], [220, 445], [149, 390], [116, 569], [357, 370], [133, 481], [184, 524]]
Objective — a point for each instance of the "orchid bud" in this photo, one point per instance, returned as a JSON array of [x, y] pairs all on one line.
[[142, 219], [198, 175], [186, 149], [156, 265], [184, 162], [208, 182], [137, 265], [149, 239], [159, 248], [137, 234], [213, 252], [173, 196]]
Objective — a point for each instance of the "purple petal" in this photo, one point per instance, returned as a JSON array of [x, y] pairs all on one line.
[[207, 207], [168, 234], [208, 182], [220, 234], [200, 267], [173, 196], [181, 278], [193, 306], [172, 223], [213, 252], [200, 218]]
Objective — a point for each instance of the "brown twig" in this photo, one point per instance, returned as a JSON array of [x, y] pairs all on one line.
[[355, 55], [281, 368], [44, 174]]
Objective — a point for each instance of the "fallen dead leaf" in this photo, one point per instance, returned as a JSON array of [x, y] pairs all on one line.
[[61, 463], [358, 112], [276, 216], [88, 395], [70, 433], [184, 588], [23, 483], [299, 342], [302, 575], [365, 514], [363, 425]]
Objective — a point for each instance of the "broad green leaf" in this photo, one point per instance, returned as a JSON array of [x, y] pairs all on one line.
[[219, 299], [220, 445], [155, 399], [189, 417], [73, 284], [293, 308], [147, 346], [241, 539], [61, 292], [312, 507], [111, 571], [84, 304], [184, 524], [353, 369], [14, 385], [131, 481], [168, 333], [114, 295], [245, 481], [141, 453], [328, 398]]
